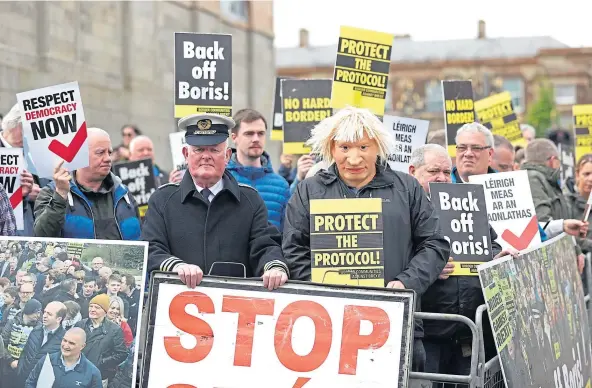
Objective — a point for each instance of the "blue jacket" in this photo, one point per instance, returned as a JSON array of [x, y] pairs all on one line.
[[455, 177], [79, 222], [84, 374], [271, 187]]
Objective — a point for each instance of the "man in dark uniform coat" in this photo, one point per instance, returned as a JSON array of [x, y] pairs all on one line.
[[209, 218]]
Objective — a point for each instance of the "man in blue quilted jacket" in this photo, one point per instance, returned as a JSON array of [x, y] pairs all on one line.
[[251, 165]]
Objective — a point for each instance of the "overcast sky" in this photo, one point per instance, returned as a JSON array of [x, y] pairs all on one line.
[[568, 21]]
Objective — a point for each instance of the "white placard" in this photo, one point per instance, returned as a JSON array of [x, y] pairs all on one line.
[[177, 140], [55, 127], [510, 208], [284, 339], [409, 134], [11, 166]]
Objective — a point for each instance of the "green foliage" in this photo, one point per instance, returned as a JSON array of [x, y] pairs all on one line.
[[125, 258], [542, 113]]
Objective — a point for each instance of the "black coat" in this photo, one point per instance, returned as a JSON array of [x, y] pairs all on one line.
[[414, 248], [105, 347], [34, 351], [181, 228]]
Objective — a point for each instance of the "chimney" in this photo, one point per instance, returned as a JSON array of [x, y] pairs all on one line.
[[303, 37], [481, 32]]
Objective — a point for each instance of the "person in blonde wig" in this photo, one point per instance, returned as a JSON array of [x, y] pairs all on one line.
[[355, 145]]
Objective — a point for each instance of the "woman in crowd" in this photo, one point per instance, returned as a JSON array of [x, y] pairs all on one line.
[[578, 192], [116, 315], [73, 315]]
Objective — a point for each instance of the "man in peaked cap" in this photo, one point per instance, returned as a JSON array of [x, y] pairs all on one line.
[[209, 223]]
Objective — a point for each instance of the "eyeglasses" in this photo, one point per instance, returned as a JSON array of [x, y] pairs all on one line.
[[462, 148]]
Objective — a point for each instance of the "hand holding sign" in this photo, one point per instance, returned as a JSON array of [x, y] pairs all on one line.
[[26, 182], [62, 177], [448, 269]]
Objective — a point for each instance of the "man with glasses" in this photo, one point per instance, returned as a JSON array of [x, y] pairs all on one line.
[[210, 213], [474, 151]]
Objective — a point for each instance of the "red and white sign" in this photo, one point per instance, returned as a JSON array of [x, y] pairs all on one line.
[[510, 208], [55, 127], [11, 166], [235, 334]]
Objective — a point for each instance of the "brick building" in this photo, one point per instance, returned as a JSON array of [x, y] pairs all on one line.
[[121, 53], [493, 64]]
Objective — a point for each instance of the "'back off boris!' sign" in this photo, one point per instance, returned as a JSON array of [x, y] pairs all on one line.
[[458, 109], [304, 104], [11, 166], [55, 127], [463, 218], [203, 74], [346, 241], [138, 176], [361, 69]]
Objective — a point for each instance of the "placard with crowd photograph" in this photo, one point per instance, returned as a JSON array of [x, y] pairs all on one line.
[[70, 312]]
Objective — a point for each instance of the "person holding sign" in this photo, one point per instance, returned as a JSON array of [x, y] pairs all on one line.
[[90, 202], [210, 222], [355, 144]]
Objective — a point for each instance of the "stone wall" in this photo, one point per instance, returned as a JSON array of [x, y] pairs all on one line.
[[121, 53]]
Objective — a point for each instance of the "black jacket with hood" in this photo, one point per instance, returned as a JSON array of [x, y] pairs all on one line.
[[414, 248]]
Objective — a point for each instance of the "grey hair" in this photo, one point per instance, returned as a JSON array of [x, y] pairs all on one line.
[[476, 128], [437, 137], [539, 151], [528, 128], [98, 131], [501, 142], [136, 139], [418, 155], [12, 119]]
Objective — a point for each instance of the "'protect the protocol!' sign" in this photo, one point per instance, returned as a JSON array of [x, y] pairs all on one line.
[[409, 135], [361, 69], [497, 113], [55, 127], [463, 218], [11, 166], [346, 241], [234, 333], [458, 109], [203, 74], [305, 102], [582, 118]]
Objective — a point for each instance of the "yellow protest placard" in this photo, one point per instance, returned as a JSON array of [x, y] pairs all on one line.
[[497, 113], [346, 241], [582, 119], [361, 69]]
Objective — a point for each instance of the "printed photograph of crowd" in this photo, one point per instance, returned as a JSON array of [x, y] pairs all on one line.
[[69, 312], [548, 317]]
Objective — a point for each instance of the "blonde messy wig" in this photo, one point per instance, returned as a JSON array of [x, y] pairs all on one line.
[[349, 125]]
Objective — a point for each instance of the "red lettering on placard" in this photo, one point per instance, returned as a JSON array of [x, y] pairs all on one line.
[[352, 341], [322, 340], [190, 324], [247, 309]]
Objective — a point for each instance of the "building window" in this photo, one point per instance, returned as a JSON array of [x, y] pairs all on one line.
[[565, 94], [236, 10], [433, 97], [516, 88]]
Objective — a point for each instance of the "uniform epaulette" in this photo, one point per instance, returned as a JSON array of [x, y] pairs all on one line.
[[168, 184], [249, 186]]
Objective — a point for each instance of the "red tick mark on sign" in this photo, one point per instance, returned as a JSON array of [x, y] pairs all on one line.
[[301, 381], [69, 152], [521, 242], [16, 198]]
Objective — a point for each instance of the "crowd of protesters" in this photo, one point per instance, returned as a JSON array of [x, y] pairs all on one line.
[[232, 205], [51, 303]]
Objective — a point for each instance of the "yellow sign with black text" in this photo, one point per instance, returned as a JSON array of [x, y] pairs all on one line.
[[346, 241], [582, 119], [361, 72], [497, 113]]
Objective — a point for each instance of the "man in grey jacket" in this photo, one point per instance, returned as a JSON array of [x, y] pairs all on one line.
[[415, 251]]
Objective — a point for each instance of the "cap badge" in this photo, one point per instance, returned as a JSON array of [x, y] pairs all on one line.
[[204, 124]]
